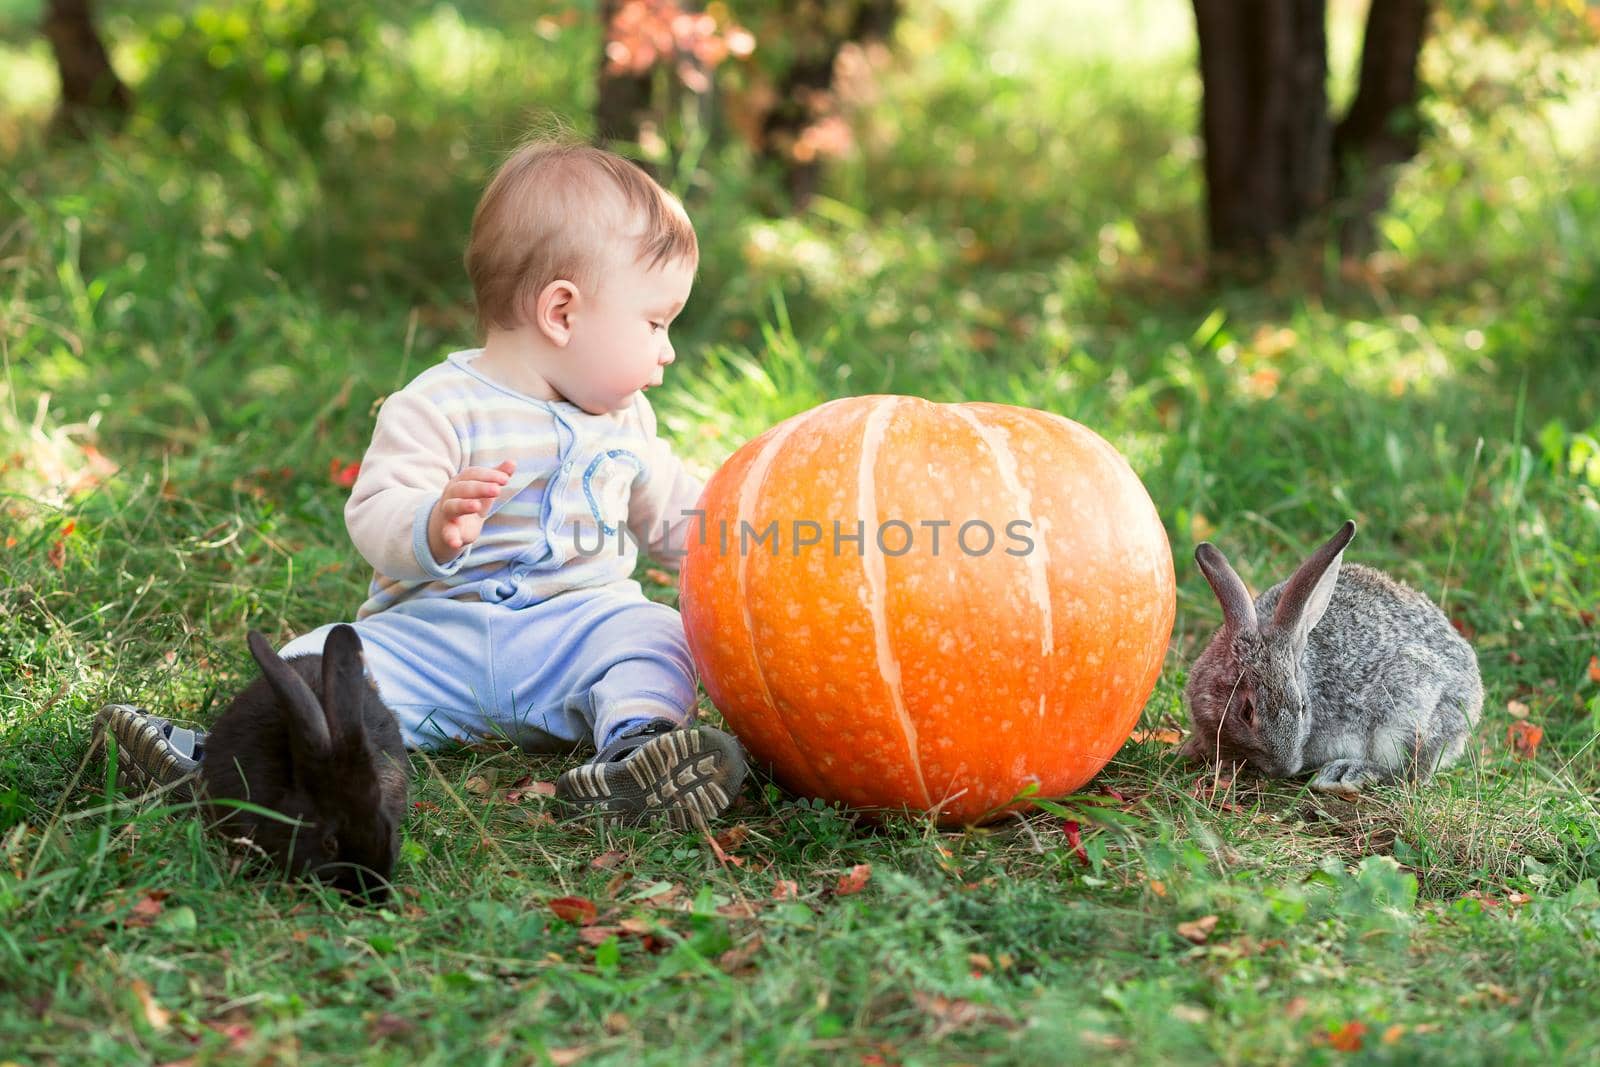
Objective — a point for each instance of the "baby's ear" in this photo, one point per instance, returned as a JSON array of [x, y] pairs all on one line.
[[553, 310]]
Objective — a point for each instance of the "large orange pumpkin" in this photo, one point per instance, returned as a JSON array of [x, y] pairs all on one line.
[[869, 655]]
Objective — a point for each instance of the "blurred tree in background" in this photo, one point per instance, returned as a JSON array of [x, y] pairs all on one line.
[[660, 55], [764, 76], [1274, 157], [89, 85]]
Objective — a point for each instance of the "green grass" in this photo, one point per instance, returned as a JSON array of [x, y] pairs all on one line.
[[215, 307]]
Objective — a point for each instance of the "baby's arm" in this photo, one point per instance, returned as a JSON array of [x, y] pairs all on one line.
[[659, 513], [412, 463]]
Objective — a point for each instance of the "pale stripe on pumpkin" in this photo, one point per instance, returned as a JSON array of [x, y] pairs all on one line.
[[877, 581]]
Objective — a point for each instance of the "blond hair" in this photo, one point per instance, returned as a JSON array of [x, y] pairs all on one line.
[[550, 212]]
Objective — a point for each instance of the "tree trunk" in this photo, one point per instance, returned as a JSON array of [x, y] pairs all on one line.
[[89, 86], [1382, 126], [1263, 69], [808, 80], [624, 100]]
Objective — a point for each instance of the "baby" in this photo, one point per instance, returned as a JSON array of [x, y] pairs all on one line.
[[505, 494]]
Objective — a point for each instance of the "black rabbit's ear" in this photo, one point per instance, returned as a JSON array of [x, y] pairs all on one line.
[[343, 683], [308, 727], [1307, 594], [1238, 610]]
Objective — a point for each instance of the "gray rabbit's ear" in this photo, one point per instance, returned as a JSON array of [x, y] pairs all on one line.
[[343, 683], [308, 729], [1307, 594], [1238, 610]]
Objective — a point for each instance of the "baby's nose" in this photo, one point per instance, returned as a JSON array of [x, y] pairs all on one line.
[[667, 354]]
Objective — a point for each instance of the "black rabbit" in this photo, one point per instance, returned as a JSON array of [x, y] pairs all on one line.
[[312, 740]]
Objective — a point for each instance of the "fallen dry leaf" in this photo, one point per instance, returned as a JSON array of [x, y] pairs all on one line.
[[237, 1032], [1517, 708], [784, 889], [1160, 737], [737, 959], [1524, 738], [154, 1014], [607, 860], [1594, 669], [1347, 1038], [665, 897], [578, 910], [723, 857], [1393, 1034], [389, 1024], [526, 788], [1209, 789], [1198, 930], [734, 836], [855, 881], [478, 785], [953, 1013], [594, 935], [147, 909], [1075, 842], [565, 1057]]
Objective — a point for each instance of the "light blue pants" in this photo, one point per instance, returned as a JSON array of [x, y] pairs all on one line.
[[573, 670]]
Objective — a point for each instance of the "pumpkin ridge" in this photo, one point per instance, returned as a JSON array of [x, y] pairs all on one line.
[[1039, 559], [757, 473]]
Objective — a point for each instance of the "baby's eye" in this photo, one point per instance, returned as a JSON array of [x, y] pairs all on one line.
[[654, 326]]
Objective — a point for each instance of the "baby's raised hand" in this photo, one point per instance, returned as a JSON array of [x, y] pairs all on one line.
[[457, 518]]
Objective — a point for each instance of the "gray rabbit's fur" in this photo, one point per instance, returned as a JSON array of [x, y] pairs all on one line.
[[311, 739], [1341, 671]]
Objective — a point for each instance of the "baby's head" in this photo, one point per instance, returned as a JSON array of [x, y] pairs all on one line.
[[583, 253]]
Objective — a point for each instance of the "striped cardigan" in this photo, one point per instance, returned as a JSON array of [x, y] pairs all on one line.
[[587, 492]]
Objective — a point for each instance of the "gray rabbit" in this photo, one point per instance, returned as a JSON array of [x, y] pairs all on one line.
[[1341, 671]]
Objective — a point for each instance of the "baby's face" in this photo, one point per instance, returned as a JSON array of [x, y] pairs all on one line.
[[619, 340]]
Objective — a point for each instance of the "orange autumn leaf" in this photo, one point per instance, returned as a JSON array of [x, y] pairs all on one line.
[[724, 857], [157, 1017], [1198, 930], [785, 889], [1348, 1038], [1594, 669], [1160, 737], [57, 556], [577, 910], [855, 881], [1524, 738]]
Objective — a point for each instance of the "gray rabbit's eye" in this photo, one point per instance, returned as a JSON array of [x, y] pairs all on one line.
[[330, 846]]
